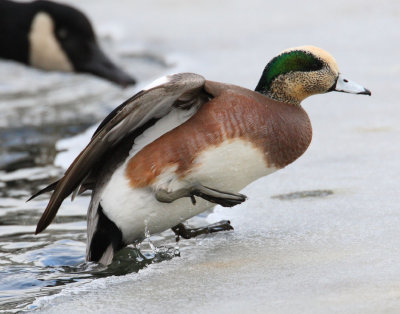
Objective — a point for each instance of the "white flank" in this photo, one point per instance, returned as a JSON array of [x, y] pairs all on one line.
[[227, 167], [45, 51], [230, 166]]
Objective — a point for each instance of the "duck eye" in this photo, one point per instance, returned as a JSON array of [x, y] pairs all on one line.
[[62, 33], [346, 81]]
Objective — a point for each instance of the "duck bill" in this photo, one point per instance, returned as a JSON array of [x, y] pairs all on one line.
[[99, 64], [346, 86]]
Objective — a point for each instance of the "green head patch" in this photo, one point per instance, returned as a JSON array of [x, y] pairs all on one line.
[[286, 62]]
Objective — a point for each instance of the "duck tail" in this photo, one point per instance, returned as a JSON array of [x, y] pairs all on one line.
[[49, 188], [104, 237]]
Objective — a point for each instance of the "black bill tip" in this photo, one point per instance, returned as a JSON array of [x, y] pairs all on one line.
[[120, 77], [100, 65], [109, 71], [365, 92]]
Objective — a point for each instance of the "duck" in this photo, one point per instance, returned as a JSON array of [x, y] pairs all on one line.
[[184, 144], [54, 37]]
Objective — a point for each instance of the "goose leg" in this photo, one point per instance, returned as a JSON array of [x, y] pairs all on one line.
[[222, 198], [187, 233]]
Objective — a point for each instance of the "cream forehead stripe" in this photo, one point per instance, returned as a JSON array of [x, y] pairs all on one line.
[[45, 50], [322, 54]]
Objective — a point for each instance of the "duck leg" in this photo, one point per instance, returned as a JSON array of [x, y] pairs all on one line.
[[222, 198], [187, 233]]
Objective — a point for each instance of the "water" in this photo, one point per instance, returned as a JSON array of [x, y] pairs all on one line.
[[319, 236], [37, 110]]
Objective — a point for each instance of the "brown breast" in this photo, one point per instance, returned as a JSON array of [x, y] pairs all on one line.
[[281, 131]]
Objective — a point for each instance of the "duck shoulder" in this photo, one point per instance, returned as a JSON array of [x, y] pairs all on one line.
[[282, 131]]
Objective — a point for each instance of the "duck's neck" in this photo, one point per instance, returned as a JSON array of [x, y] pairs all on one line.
[[279, 89]]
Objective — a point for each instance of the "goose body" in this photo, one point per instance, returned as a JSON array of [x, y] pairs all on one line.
[[185, 144]]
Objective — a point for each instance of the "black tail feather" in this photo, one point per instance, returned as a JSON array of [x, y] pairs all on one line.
[[106, 233], [48, 188]]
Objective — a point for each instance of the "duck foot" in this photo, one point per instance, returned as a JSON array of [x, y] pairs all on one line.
[[225, 199], [187, 233]]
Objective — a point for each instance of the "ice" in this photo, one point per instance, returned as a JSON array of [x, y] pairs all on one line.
[[69, 148], [335, 252], [30, 174]]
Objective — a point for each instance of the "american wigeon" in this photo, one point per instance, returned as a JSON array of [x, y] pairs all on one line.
[[54, 36], [185, 144]]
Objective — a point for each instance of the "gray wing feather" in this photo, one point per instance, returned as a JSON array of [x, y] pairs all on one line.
[[183, 90], [92, 220]]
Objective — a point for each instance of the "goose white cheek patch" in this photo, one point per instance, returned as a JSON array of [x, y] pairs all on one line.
[[45, 51]]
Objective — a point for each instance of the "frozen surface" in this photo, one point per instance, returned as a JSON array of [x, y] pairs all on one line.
[[321, 235]]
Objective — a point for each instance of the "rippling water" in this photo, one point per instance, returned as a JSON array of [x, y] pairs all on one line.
[[32, 266], [41, 265], [37, 110]]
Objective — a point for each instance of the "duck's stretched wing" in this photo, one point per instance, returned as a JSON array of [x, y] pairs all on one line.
[[183, 90]]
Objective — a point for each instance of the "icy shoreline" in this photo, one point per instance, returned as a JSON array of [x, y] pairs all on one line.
[[335, 252]]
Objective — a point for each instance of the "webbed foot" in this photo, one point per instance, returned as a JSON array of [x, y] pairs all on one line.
[[225, 199], [187, 233]]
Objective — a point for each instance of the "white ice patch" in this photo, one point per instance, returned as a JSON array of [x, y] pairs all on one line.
[[45, 51], [69, 148], [30, 174]]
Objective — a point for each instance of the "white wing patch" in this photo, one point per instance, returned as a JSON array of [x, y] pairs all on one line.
[[175, 118], [160, 81]]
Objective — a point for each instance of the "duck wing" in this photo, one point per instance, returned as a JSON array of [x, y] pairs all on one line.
[[183, 90]]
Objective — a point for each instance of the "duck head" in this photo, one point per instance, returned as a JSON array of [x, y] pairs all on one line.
[[62, 38], [300, 72]]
